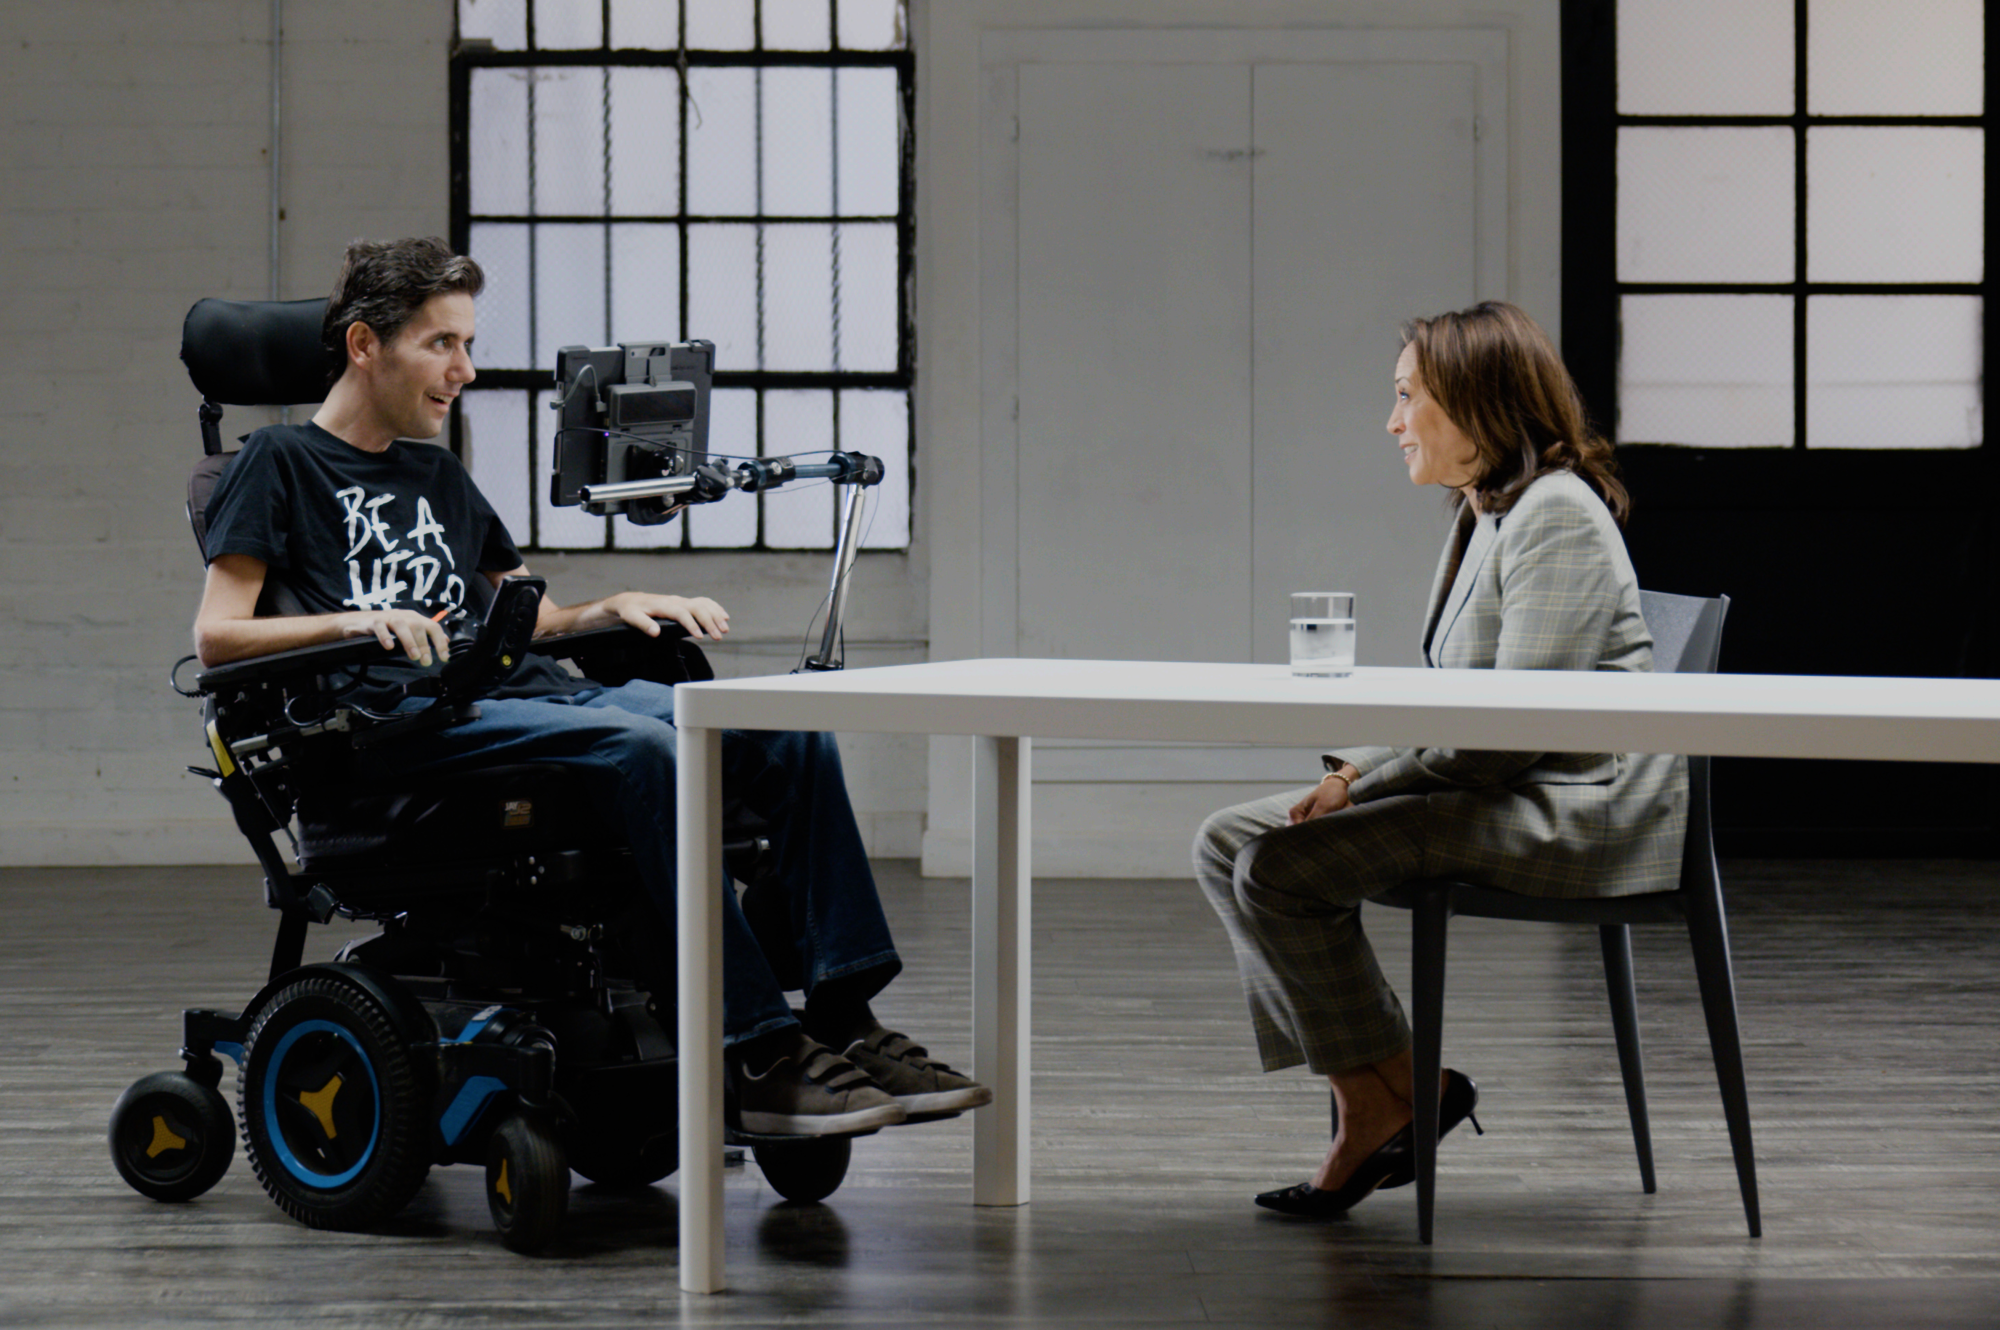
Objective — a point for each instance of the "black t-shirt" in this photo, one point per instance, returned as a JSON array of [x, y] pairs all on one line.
[[346, 530]]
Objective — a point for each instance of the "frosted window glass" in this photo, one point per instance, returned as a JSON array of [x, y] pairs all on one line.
[[877, 422], [867, 295], [627, 535], [722, 142], [870, 142], [798, 297], [730, 523], [502, 22], [1895, 205], [645, 142], [797, 25], [1893, 372], [721, 25], [645, 25], [500, 310], [798, 142], [646, 282], [1710, 371], [722, 292], [799, 516], [561, 528], [495, 430], [499, 149], [568, 25], [1706, 57], [569, 141], [1705, 205], [1867, 57], [871, 25], [569, 290]]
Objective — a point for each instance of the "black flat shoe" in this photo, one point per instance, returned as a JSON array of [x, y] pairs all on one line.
[[1455, 1104], [1306, 1201]]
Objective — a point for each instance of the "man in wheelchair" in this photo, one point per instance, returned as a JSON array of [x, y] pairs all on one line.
[[372, 535]]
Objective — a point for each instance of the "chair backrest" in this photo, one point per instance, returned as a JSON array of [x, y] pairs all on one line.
[[1687, 639]]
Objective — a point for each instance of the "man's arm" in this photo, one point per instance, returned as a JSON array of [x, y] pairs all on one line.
[[227, 628], [643, 610]]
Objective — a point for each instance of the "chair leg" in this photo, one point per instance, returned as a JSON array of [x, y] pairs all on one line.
[[1617, 943], [1430, 922], [1708, 931]]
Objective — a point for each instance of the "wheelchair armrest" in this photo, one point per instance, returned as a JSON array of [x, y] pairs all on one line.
[[620, 653], [298, 662]]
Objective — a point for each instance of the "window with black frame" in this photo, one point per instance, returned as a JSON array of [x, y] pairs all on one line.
[[1775, 217], [735, 170]]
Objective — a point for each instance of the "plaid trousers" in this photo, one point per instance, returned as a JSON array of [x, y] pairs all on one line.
[[1290, 899]]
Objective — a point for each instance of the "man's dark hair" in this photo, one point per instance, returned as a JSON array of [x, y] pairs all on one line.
[[383, 283]]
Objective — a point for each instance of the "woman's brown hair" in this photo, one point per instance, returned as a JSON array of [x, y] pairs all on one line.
[[1495, 373]]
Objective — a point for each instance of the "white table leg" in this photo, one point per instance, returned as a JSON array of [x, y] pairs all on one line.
[[1002, 903], [699, 927]]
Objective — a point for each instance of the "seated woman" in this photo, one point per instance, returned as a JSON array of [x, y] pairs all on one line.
[[1534, 576]]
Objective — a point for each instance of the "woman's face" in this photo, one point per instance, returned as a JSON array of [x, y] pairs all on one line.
[[1436, 451]]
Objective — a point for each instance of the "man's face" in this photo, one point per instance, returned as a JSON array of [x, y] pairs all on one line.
[[417, 375]]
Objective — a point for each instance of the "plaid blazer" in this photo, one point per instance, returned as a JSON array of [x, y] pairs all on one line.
[[1548, 586]]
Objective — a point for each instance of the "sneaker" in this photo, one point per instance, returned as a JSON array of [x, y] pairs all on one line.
[[920, 1085], [813, 1092]]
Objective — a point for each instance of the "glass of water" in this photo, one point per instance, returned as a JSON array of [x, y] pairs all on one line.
[[1322, 634]]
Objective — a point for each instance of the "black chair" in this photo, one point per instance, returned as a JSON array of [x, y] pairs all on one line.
[[1687, 638]]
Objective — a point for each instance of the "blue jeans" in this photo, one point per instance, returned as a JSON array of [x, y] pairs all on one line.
[[820, 892]]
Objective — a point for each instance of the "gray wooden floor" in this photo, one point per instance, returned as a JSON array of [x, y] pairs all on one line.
[[1871, 1000]]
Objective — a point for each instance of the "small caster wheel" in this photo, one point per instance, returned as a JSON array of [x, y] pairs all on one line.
[[807, 1169], [171, 1136], [527, 1183]]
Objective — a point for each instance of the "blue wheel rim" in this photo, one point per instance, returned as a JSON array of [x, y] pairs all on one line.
[[344, 1051]]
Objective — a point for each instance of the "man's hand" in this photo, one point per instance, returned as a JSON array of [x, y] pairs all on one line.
[[418, 636], [1329, 796], [701, 616]]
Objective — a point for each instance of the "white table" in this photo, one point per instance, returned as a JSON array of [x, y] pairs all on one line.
[[1003, 702]]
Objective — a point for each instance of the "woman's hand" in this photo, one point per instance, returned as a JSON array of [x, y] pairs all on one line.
[[1329, 796]]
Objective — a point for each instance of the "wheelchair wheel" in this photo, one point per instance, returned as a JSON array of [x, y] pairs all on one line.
[[171, 1136], [808, 1169], [527, 1183], [641, 1166], [333, 1106]]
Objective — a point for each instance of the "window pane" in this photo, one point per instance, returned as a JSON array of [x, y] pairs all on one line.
[[569, 141], [1893, 372], [646, 282], [500, 311], [1705, 205], [1864, 57], [1710, 371], [797, 25], [1895, 205], [865, 283], [800, 515], [495, 425], [645, 25], [567, 25], [561, 528], [870, 145], [878, 423], [798, 142], [872, 25], [798, 297], [729, 523], [721, 25], [1705, 57], [499, 148], [502, 22], [722, 292], [645, 142], [569, 290], [722, 142], [665, 536]]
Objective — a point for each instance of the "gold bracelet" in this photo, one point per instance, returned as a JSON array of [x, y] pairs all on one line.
[[1348, 781]]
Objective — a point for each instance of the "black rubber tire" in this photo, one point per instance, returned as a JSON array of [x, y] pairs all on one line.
[[527, 1183], [810, 1168], [171, 1136], [333, 1160], [626, 1167]]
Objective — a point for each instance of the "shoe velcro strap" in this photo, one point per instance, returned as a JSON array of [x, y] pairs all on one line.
[[901, 1047], [825, 1067]]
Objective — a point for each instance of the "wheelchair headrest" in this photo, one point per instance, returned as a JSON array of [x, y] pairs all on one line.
[[256, 352]]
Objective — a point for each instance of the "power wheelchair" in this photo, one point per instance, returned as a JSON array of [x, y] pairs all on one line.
[[504, 1015]]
